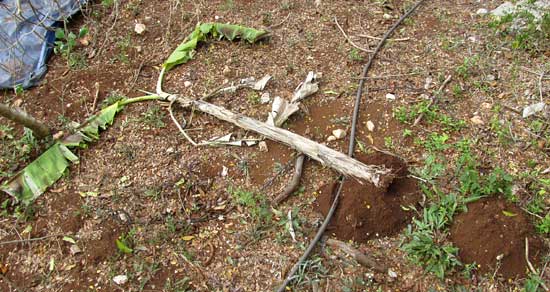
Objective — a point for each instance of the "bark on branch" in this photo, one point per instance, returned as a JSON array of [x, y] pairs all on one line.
[[39, 129]]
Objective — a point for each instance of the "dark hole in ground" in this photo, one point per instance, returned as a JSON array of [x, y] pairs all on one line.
[[493, 227], [365, 211]]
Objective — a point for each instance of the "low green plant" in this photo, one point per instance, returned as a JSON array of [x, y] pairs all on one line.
[[65, 44], [355, 55], [532, 283], [257, 205], [126, 241], [543, 226], [153, 117], [466, 69], [431, 114], [523, 30], [426, 236]]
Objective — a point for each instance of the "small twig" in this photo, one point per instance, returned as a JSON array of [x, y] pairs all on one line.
[[96, 96], [294, 183], [540, 84], [378, 38], [433, 99], [212, 252], [360, 257], [530, 266], [180, 128], [348, 39], [280, 23], [279, 172], [30, 239]]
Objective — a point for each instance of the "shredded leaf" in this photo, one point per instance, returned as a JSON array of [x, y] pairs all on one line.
[[186, 50]]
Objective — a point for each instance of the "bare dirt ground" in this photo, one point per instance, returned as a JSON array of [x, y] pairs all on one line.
[[192, 229]]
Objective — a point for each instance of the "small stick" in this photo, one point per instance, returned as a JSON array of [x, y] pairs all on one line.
[[180, 128], [212, 252], [531, 268], [280, 23], [433, 99], [294, 183], [360, 257], [348, 39], [30, 239], [96, 96], [378, 38]]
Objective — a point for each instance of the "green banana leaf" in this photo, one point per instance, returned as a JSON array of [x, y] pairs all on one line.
[[33, 180], [186, 50], [36, 177]]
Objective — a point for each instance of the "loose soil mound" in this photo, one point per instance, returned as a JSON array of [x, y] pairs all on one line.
[[484, 233], [365, 211]]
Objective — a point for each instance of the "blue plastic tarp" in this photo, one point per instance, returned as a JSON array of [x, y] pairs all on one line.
[[26, 37]]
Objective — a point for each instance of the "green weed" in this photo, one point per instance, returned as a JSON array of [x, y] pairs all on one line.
[[355, 55], [153, 117], [257, 205], [65, 44]]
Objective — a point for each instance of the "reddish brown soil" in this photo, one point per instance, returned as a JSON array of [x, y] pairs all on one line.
[[484, 233], [365, 211]]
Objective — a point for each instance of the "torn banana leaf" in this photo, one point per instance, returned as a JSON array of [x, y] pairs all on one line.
[[36, 177], [186, 50], [29, 183]]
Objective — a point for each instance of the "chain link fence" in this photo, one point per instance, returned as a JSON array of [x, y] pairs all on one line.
[[27, 33]]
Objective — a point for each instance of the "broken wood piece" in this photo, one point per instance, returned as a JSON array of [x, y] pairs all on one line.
[[360, 257], [294, 183], [377, 175]]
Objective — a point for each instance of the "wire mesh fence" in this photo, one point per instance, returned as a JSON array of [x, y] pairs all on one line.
[[27, 33]]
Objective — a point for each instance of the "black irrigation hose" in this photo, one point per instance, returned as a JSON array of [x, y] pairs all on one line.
[[351, 147]]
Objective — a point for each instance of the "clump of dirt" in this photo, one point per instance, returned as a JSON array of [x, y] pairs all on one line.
[[494, 228], [366, 211]]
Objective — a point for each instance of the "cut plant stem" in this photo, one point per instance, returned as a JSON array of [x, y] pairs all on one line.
[[38, 128], [377, 175]]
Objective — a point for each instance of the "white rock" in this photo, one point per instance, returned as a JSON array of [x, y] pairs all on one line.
[[263, 146], [392, 274], [386, 16], [139, 28], [370, 126], [339, 133], [533, 109], [390, 96], [264, 98], [331, 138], [428, 82], [187, 83], [120, 279], [504, 9], [482, 11], [224, 171]]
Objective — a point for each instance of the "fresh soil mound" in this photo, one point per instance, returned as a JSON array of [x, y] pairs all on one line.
[[494, 228], [365, 211]]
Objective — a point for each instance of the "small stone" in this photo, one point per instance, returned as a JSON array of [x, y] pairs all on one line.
[[476, 120], [264, 98], [139, 28], [120, 279], [386, 16], [370, 126], [486, 106], [170, 150], [331, 138], [339, 133], [225, 170], [139, 49], [74, 249], [392, 274], [482, 11], [187, 83], [263, 146], [390, 96], [227, 72], [58, 135], [428, 83]]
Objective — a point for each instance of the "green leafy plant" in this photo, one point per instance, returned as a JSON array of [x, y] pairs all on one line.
[[355, 56], [153, 117], [426, 245], [65, 45], [543, 226], [257, 205], [125, 242]]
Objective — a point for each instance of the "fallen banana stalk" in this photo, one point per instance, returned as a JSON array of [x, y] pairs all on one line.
[[377, 175]]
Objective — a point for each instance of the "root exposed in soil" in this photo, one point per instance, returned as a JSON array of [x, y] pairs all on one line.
[[365, 211], [493, 228]]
